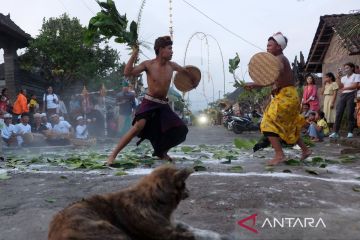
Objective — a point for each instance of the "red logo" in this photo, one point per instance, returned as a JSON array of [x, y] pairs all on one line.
[[253, 218]]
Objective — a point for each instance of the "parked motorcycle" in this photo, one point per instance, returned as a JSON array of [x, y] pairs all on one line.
[[239, 124], [248, 122], [227, 117]]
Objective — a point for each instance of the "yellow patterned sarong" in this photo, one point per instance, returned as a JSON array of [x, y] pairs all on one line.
[[282, 116]]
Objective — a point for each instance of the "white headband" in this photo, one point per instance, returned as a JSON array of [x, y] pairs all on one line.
[[280, 39]]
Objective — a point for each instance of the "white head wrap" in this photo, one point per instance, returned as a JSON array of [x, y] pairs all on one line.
[[280, 39], [7, 115]]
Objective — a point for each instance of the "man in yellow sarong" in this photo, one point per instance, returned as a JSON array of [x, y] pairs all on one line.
[[282, 118]]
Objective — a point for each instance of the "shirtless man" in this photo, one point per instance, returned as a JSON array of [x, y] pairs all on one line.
[[282, 119], [154, 120]]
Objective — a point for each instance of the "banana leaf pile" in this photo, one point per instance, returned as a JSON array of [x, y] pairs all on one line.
[[110, 23]]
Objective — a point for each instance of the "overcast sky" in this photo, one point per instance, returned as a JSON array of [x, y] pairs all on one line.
[[237, 25]]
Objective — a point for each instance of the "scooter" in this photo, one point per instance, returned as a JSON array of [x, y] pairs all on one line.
[[246, 123], [227, 118]]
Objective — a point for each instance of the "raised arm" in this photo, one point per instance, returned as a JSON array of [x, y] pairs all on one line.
[[131, 70], [338, 81]]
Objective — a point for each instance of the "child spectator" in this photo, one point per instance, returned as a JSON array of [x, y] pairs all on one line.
[[305, 109], [81, 131], [318, 131]]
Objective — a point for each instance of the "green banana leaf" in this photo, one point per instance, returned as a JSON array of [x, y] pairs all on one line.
[[110, 23]]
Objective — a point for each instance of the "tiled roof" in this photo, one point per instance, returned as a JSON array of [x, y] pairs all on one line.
[[9, 27]]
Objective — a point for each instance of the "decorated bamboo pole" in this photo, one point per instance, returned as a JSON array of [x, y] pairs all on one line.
[[103, 95]]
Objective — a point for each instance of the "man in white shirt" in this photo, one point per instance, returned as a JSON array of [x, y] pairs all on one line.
[[23, 130], [348, 85], [61, 127], [8, 130], [61, 132], [81, 131]]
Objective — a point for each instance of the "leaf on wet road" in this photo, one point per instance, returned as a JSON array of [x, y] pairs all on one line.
[[4, 176], [236, 169], [50, 200], [293, 162]]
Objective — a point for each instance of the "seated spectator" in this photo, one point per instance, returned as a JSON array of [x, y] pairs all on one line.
[[39, 131], [309, 119], [61, 131], [305, 109], [317, 131], [23, 130], [61, 127], [81, 131], [8, 131], [38, 126], [45, 122]]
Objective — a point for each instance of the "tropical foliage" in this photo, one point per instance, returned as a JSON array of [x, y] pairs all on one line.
[[110, 23], [59, 54]]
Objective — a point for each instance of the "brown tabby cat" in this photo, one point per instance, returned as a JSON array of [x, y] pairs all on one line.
[[141, 212]]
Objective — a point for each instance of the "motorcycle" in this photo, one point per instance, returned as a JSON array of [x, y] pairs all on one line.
[[247, 122], [227, 118]]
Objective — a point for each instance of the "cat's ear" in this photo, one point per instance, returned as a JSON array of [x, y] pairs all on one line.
[[182, 174]]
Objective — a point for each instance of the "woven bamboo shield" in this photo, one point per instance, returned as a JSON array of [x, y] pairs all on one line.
[[183, 82], [28, 138], [264, 68]]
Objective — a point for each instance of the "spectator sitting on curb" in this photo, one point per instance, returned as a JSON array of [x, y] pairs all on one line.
[[318, 128]]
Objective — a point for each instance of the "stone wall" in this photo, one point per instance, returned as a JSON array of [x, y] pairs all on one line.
[[336, 56]]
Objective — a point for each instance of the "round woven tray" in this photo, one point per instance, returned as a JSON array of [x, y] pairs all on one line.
[[264, 68], [183, 82]]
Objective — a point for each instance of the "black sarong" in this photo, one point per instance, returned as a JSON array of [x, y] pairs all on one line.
[[163, 128]]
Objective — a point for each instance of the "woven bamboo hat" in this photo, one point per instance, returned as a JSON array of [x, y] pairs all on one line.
[[264, 68], [184, 83]]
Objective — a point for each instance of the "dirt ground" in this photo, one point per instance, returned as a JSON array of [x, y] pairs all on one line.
[[218, 199]]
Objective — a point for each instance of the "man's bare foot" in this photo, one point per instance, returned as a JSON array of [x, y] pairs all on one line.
[[166, 157], [305, 155], [276, 161], [110, 161]]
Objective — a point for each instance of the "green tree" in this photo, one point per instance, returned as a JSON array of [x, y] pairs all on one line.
[[60, 55], [256, 99]]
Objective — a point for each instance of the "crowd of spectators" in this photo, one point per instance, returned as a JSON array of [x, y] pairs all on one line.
[[29, 121], [338, 93]]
